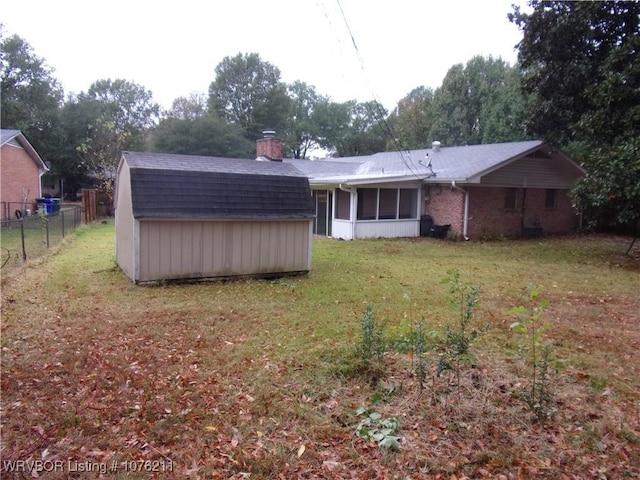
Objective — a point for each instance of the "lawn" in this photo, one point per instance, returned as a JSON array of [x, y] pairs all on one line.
[[271, 379]]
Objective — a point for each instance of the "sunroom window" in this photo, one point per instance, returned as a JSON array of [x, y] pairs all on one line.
[[387, 203]]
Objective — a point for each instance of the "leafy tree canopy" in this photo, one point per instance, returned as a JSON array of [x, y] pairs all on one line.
[[118, 114], [248, 92], [411, 120], [206, 135], [30, 96], [580, 65], [477, 103]]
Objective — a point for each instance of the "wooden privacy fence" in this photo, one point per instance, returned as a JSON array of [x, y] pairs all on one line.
[[89, 204]]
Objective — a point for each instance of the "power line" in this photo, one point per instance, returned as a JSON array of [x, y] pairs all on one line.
[[404, 153]]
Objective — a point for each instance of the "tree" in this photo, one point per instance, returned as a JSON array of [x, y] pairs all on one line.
[[30, 96], [188, 108], [586, 94], [303, 132], [411, 120], [579, 61], [610, 192], [248, 92], [353, 128], [479, 102], [123, 111], [206, 135]]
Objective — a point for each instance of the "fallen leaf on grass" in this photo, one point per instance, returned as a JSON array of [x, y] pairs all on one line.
[[301, 450]]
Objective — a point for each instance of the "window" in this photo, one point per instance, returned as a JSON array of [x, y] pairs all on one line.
[[408, 206], [388, 206], [511, 199], [367, 203], [550, 198], [387, 203], [343, 205]]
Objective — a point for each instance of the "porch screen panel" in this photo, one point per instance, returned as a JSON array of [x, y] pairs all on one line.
[[408, 205], [388, 203], [367, 203], [343, 205]]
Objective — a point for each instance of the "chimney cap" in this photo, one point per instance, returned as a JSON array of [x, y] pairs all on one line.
[[268, 133]]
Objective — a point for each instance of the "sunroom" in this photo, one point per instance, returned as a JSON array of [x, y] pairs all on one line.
[[368, 211]]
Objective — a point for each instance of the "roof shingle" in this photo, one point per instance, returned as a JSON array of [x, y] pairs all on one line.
[[184, 186]]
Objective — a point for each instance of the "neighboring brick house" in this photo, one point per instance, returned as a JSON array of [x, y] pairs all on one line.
[[480, 191], [21, 169]]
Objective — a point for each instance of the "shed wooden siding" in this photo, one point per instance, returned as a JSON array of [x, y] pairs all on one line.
[[179, 249], [125, 224]]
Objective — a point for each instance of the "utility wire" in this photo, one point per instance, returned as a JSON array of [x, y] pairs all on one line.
[[378, 113]]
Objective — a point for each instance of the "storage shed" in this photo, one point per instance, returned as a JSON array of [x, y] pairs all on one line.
[[183, 217]]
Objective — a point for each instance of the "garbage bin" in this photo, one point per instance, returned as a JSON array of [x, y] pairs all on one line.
[[49, 205], [56, 206], [426, 224]]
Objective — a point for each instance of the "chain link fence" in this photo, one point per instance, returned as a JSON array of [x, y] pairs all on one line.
[[28, 236]]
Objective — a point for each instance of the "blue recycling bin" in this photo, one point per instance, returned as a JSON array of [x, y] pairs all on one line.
[[48, 202]]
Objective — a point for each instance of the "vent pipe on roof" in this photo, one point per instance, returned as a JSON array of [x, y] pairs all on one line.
[[435, 146]]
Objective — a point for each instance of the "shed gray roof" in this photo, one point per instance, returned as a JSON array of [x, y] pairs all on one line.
[[185, 186], [462, 164]]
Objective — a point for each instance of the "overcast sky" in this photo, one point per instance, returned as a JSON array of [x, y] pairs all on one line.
[[172, 48]]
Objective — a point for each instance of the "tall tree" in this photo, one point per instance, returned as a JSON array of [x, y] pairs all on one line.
[[123, 112], [580, 64], [248, 92], [206, 135], [303, 131], [188, 108], [479, 102], [352, 128], [411, 120], [579, 60], [30, 96]]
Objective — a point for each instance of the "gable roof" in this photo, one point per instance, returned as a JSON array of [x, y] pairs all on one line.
[[467, 164], [185, 186], [16, 137]]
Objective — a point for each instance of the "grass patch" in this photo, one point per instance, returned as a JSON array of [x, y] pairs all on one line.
[[262, 376]]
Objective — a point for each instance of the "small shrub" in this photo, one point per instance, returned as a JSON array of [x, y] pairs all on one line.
[[370, 351], [419, 359], [456, 348], [537, 394]]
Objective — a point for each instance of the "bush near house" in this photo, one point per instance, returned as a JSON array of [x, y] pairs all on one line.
[[259, 378]]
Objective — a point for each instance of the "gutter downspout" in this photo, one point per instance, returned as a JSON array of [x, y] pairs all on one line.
[[351, 210], [465, 220]]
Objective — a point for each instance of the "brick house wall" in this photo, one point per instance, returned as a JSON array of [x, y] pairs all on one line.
[[18, 172], [446, 206], [488, 216]]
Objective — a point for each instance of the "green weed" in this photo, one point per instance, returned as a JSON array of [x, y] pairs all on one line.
[[538, 394]]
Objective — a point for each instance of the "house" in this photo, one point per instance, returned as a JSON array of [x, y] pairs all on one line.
[[478, 191], [182, 217], [21, 170]]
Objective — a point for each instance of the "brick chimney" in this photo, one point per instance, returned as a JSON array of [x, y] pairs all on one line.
[[269, 147]]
